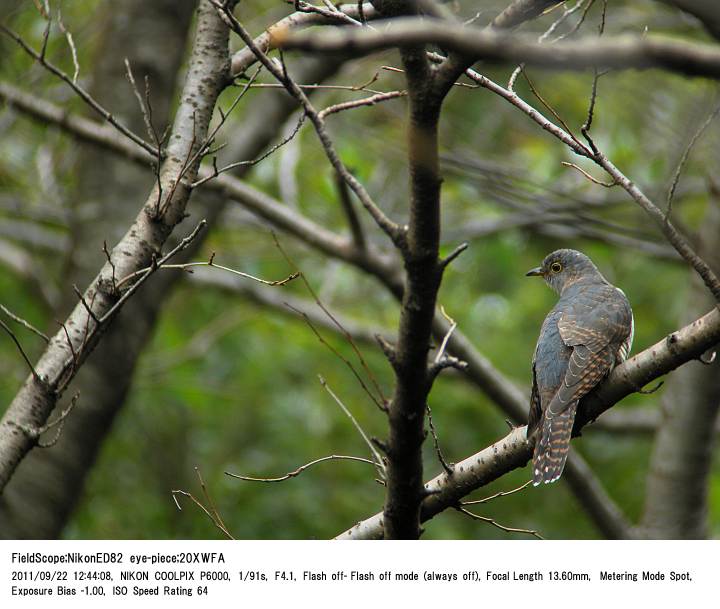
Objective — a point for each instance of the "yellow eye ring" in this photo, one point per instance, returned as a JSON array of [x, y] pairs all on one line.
[[556, 267]]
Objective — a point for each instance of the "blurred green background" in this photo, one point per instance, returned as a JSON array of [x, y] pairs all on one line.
[[229, 385]]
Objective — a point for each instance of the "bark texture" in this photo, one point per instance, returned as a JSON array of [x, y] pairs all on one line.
[[207, 75], [40, 498], [676, 501]]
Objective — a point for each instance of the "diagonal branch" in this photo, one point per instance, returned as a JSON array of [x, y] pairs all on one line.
[[388, 226], [513, 451], [207, 75]]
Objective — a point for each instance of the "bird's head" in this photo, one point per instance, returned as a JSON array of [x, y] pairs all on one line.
[[564, 267]]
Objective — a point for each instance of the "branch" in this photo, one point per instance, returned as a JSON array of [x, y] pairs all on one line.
[[480, 371], [246, 57], [513, 451], [388, 226], [622, 52], [207, 75]]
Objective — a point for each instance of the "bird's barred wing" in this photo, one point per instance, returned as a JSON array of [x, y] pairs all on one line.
[[592, 357], [586, 369], [535, 405]]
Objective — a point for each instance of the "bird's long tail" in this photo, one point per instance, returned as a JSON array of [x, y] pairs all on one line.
[[553, 445]]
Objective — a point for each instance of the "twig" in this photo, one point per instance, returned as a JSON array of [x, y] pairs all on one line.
[[22, 351], [448, 334], [497, 524], [71, 44], [302, 468], [216, 172], [552, 111], [496, 495], [373, 450], [144, 110], [82, 93], [366, 101], [210, 263], [24, 323], [585, 129], [381, 403], [211, 512], [436, 442], [60, 422], [588, 176], [393, 230], [684, 158]]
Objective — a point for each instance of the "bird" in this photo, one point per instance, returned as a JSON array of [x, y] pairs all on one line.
[[583, 337]]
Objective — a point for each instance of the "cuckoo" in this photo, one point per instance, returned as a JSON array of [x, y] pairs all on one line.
[[587, 332]]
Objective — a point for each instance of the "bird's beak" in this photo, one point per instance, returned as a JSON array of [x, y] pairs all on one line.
[[536, 272]]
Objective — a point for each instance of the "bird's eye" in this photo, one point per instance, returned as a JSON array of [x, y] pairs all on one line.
[[556, 267]]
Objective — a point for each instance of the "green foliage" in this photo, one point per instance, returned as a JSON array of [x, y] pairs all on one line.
[[226, 385]]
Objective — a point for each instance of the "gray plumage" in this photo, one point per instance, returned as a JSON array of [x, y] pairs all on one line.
[[584, 336]]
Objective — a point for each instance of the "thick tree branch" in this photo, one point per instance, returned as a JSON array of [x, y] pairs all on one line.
[[513, 451], [622, 53], [207, 75], [245, 57]]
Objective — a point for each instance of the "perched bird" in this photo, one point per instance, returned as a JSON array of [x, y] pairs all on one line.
[[587, 332]]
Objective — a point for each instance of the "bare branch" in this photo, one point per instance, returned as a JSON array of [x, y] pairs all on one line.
[[302, 468], [622, 52], [82, 93], [388, 226]]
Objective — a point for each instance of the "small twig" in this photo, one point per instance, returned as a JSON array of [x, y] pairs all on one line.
[[496, 495], [22, 351], [184, 243], [331, 12], [26, 324], [216, 172], [552, 111], [82, 93], [378, 458], [302, 468], [381, 403], [393, 230], [152, 133], [69, 342], [87, 307], [217, 517], [452, 255], [576, 27], [209, 263], [436, 442], [357, 103], [497, 524], [684, 158], [60, 422], [211, 513], [448, 334], [553, 26], [112, 266], [71, 44], [585, 129], [588, 176]]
